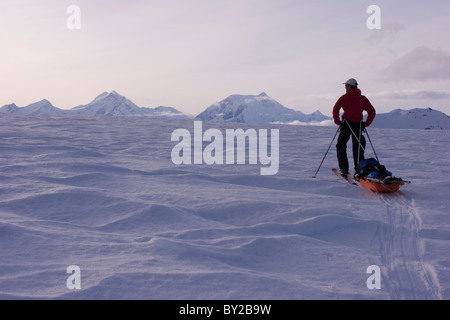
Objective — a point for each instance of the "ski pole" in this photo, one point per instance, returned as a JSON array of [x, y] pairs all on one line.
[[356, 137], [326, 153], [360, 133], [367, 133]]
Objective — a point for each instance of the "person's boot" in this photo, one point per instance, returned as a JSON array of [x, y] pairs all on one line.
[[344, 172]]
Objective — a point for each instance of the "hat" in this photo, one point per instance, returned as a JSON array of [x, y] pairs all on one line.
[[351, 82]]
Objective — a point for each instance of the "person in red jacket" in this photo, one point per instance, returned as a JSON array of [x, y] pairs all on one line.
[[354, 104]]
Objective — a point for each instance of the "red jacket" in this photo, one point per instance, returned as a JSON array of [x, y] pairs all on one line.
[[353, 103]]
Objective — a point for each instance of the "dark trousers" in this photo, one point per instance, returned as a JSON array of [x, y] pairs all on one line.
[[341, 146]]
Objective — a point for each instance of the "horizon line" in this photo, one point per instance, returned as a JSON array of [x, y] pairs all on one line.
[[234, 94]]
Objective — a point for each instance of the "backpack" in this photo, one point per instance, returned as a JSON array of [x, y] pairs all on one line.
[[371, 168]]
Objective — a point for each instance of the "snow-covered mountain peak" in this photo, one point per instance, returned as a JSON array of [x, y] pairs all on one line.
[[9, 108], [238, 98], [101, 96], [254, 108], [40, 104], [114, 104], [111, 95], [110, 104], [413, 119], [43, 107]]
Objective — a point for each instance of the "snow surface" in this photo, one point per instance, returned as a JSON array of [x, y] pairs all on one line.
[[102, 193]]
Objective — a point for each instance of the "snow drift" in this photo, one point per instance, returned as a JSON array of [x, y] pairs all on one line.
[[102, 194]]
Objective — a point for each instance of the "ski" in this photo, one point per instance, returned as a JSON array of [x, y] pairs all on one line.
[[348, 178]]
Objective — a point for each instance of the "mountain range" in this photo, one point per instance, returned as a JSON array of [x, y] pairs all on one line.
[[106, 104], [235, 108]]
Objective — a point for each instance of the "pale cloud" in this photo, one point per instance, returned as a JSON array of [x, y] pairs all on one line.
[[388, 31], [412, 94], [421, 64]]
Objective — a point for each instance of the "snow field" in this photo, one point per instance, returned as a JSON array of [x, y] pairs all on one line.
[[102, 193]]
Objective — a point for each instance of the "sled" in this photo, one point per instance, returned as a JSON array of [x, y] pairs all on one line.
[[382, 186]]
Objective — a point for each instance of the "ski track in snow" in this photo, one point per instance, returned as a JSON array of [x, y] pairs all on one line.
[[103, 194], [406, 275]]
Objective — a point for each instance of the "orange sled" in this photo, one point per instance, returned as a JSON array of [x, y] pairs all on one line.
[[382, 187]]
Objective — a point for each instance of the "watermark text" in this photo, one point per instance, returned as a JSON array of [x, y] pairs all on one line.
[[74, 20], [189, 150], [74, 280], [374, 21], [374, 281]]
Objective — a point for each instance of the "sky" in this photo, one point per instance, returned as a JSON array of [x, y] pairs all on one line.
[[189, 54]]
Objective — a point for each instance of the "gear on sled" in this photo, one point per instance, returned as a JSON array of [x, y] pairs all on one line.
[[374, 176]]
